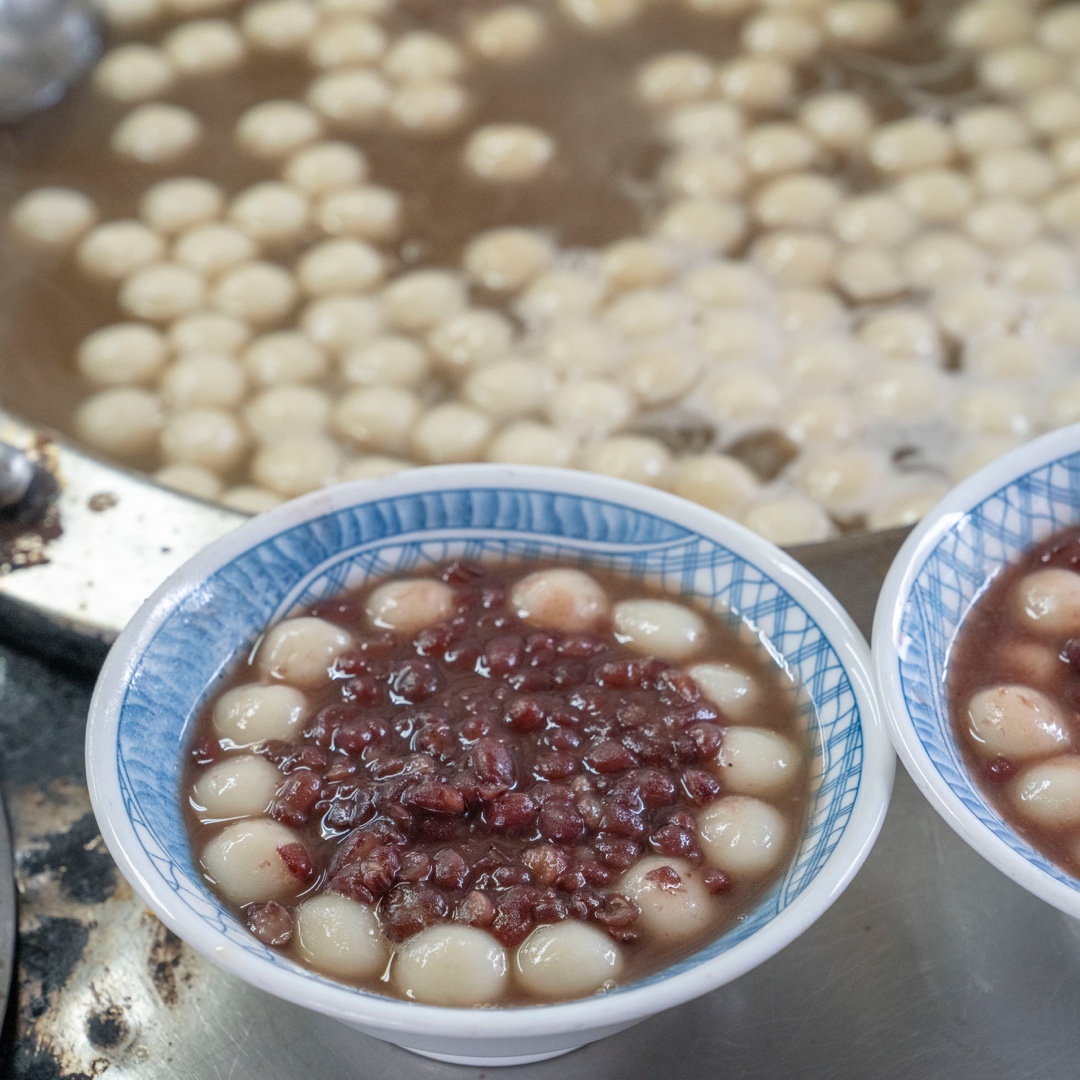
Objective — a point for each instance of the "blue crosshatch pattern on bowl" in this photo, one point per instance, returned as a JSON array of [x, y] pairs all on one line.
[[191, 649], [997, 531]]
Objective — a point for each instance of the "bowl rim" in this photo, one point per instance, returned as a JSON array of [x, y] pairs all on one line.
[[393, 1015], [956, 506]]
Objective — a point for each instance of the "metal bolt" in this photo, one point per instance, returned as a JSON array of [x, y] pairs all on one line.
[[16, 472]]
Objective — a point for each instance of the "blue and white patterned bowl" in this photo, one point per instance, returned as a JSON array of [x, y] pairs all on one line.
[[980, 527], [183, 642]]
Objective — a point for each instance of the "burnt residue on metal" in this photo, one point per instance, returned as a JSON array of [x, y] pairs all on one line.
[[47, 955], [107, 1028], [28, 527], [77, 858], [102, 501], [166, 952]]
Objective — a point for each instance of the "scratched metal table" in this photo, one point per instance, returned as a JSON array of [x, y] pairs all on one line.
[[931, 965]]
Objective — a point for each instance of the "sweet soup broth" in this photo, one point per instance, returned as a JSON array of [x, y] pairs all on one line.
[[549, 781], [1014, 695]]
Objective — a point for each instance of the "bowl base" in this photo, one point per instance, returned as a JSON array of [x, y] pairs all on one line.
[[466, 1059]]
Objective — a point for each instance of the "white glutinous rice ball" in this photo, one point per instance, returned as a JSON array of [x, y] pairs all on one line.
[[636, 263], [259, 293], [364, 212], [204, 47], [703, 174], [112, 251], [825, 418], [505, 260], [843, 480], [133, 73], [122, 353], [531, 443], [914, 143], [240, 786], [710, 125], [211, 438], [475, 336], [1048, 602], [287, 410], [593, 407], [284, 356], [451, 432], [246, 863], [717, 481], [53, 217], [324, 167], [742, 836], [560, 599], [162, 292], [659, 374], [296, 464], [703, 226], [567, 960], [841, 121], [209, 331], [508, 153], [660, 628], [562, 292], [795, 256], [789, 519], [378, 417], [508, 388], [637, 458], [122, 422], [675, 905], [279, 26], [386, 361], [346, 42], [903, 334], [341, 323], [1016, 721], [578, 348], [271, 213], [353, 98], [420, 55], [203, 379], [733, 689], [373, 467], [675, 77], [866, 24], [156, 134], [302, 651], [211, 249], [988, 24], [274, 129], [451, 964], [434, 107], [190, 480], [756, 83], [341, 937], [938, 196], [507, 34], [1048, 793], [602, 14], [754, 761], [125, 15], [409, 605], [171, 206], [422, 299], [250, 500]]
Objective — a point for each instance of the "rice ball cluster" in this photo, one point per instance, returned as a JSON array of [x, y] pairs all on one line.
[[827, 318]]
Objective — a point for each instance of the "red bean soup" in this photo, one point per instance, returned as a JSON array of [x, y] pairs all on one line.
[[1014, 694], [506, 784]]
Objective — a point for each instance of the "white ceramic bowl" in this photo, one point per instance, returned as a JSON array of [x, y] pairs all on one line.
[[184, 640], [981, 526]]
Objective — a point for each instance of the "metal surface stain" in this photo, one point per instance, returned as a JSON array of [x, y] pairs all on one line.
[[166, 953], [103, 500]]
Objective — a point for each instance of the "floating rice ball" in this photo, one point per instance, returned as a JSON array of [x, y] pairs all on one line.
[[737, 334], [508, 388], [284, 357], [810, 311], [560, 599], [507, 34], [451, 964], [990, 129], [191, 480], [772, 149], [1015, 722], [133, 73], [115, 250], [423, 298], [567, 960], [123, 422], [716, 481], [830, 362], [1039, 267], [839, 120], [842, 481], [275, 129], [660, 628], [451, 432], [1058, 321], [378, 417], [156, 134], [255, 713], [909, 396], [203, 380], [742, 836], [188, 8], [938, 196], [122, 353], [636, 263], [363, 212], [347, 41], [1048, 602], [352, 98], [373, 467], [726, 284], [287, 410], [434, 107], [505, 260], [1017, 172], [246, 863], [301, 651], [913, 143], [387, 361], [800, 200], [341, 323], [659, 374], [1048, 793], [562, 292], [531, 443], [674, 78], [579, 348], [648, 313], [992, 411], [758, 762], [602, 14], [1001, 224], [211, 249], [1063, 404], [324, 167], [750, 396], [259, 293], [250, 500], [704, 174], [906, 509], [706, 226], [420, 55], [795, 256], [471, 338], [974, 454], [824, 418], [903, 334], [988, 24], [756, 82], [270, 213], [970, 310], [279, 26], [341, 937], [409, 605], [783, 35], [864, 24], [1008, 357], [734, 690], [209, 331], [240, 786], [204, 47], [210, 438], [1018, 70], [53, 217], [340, 266], [162, 292], [713, 125], [508, 153], [128, 14], [788, 520], [637, 458], [590, 407], [171, 206], [297, 464], [876, 220], [675, 905], [943, 258]]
